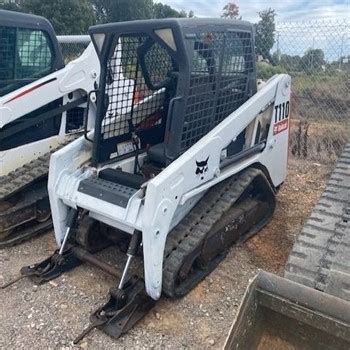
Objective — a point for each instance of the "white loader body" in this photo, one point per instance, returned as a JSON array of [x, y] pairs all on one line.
[[75, 80], [163, 201]]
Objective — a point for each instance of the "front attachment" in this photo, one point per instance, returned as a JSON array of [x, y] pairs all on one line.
[[124, 308], [277, 313], [51, 267]]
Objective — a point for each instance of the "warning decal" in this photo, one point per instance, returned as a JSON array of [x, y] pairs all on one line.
[[280, 126]]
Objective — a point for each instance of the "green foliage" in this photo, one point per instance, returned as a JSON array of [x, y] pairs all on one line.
[[265, 71], [313, 60], [291, 63], [165, 11], [331, 82], [126, 10], [231, 11], [122, 10], [66, 16], [10, 7], [75, 16], [265, 33], [182, 13]]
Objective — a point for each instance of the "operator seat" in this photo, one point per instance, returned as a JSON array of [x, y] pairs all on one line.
[[156, 154]]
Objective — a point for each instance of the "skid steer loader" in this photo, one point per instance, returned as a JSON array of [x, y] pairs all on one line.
[[186, 166], [42, 105]]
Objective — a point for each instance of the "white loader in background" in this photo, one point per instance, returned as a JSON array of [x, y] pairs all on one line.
[[42, 107]]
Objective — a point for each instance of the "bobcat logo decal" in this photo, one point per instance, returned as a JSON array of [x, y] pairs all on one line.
[[202, 167]]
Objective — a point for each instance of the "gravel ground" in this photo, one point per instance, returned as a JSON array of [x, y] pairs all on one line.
[[52, 315]]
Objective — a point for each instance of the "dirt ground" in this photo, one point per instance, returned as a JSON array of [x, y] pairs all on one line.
[[52, 315]]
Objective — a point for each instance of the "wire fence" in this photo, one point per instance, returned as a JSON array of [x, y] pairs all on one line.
[[72, 46], [317, 56]]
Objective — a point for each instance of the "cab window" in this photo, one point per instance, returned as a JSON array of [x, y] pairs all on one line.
[[200, 65], [7, 52], [234, 55], [26, 55]]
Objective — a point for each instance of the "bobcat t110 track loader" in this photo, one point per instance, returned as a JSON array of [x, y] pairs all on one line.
[[183, 168], [42, 105]]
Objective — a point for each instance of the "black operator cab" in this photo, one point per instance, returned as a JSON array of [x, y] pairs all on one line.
[[168, 82], [28, 50]]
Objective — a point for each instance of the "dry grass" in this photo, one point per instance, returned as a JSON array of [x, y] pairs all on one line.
[[317, 141]]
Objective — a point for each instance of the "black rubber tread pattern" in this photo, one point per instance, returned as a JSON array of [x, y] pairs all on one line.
[[27, 233], [22, 177], [189, 234], [320, 257], [20, 180]]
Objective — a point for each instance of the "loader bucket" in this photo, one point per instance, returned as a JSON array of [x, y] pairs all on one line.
[[277, 313]]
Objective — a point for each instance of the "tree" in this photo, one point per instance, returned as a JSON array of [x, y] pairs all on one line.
[[231, 11], [165, 11], [122, 10], [183, 13], [66, 16], [291, 63], [265, 33], [312, 60], [10, 6], [126, 10]]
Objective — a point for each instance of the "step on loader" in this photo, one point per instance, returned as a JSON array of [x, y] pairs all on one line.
[[42, 107], [176, 172], [310, 307]]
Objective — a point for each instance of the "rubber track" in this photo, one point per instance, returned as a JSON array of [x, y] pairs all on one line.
[[28, 233], [320, 257], [196, 225], [20, 178]]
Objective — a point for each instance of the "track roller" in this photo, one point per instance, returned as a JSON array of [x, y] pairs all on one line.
[[91, 234]]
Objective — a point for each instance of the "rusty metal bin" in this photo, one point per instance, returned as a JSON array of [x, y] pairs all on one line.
[[277, 313]]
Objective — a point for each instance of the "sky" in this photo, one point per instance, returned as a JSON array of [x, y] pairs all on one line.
[[287, 10], [331, 33]]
